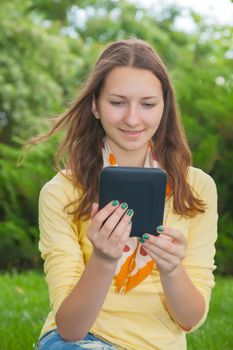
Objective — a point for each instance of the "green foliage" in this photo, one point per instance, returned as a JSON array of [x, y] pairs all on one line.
[[206, 152], [18, 245], [27, 295], [19, 191], [224, 259], [37, 71], [47, 50]]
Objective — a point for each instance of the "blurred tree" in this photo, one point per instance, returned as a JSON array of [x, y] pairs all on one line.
[[37, 71]]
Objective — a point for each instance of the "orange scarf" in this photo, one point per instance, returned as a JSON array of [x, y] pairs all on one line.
[[135, 264]]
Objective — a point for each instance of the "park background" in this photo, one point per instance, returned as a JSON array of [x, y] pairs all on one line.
[[47, 50]]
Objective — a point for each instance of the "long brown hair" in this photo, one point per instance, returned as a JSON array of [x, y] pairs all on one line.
[[84, 133]]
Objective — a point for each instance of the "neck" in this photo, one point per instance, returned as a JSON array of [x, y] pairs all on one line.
[[131, 160], [134, 158]]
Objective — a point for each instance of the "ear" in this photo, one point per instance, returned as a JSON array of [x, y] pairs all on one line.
[[94, 108]]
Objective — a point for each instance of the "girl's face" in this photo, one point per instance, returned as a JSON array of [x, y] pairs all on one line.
[[130, 108]]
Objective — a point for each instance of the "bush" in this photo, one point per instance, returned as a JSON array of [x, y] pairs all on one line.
[[224, 246], [19, 191], [18, 246]]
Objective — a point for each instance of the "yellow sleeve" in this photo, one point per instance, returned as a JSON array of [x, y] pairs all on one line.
[[58, 244], [199, 261]]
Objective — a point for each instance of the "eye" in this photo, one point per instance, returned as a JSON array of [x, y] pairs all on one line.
[[149, 105], [117, 103]]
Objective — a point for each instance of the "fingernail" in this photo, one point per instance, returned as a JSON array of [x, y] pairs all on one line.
[[115, 203], [159, 229], [141, 240], [124, 205], [130, 222], [145, 236], [130, 212]]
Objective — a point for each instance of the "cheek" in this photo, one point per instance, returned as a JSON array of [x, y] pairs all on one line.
[[157, 117], [153, 120], [110, 115], [109, 121]]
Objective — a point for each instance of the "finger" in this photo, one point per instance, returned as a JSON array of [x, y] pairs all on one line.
[[158, 260], [124, 225], [124, 239], [94, 209], [161, 255], [164, 244], [175, 234], [102, 215], [113, 220]]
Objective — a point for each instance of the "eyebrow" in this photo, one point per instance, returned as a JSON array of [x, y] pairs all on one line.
[[144, 98]]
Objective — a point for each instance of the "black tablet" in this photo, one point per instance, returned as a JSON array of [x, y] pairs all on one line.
[[143, 189]]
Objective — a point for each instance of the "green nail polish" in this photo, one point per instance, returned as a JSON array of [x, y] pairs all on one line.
[[124, 205], [141, 240], [115, 203], [130, 212], [145, 236], [159, 229], [130, 222]]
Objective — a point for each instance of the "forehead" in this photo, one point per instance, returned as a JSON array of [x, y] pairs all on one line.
[[126, 80]]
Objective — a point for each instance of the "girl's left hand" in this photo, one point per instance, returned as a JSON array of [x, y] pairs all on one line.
[[167, 249]]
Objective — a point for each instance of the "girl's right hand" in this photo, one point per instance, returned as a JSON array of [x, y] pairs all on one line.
[[109, 229]]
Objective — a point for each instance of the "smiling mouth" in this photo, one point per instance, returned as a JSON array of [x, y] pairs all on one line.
[[132, 132]]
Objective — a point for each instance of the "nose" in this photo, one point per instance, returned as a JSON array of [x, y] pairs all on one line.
[[131, 116]]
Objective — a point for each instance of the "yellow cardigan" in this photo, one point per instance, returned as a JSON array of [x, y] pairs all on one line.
[[138, 319]]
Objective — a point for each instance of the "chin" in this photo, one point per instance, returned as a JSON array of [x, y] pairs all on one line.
[[132, 146]]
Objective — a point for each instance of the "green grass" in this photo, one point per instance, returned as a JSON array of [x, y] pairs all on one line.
[[217, 331], [24, 307]]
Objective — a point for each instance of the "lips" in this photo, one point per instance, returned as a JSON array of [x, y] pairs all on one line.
[[131, 132]]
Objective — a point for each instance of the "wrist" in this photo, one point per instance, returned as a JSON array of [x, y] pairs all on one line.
[[171, 273], [103, 263]]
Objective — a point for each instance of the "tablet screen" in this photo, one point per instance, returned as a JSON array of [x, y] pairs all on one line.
[[143, 189]]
